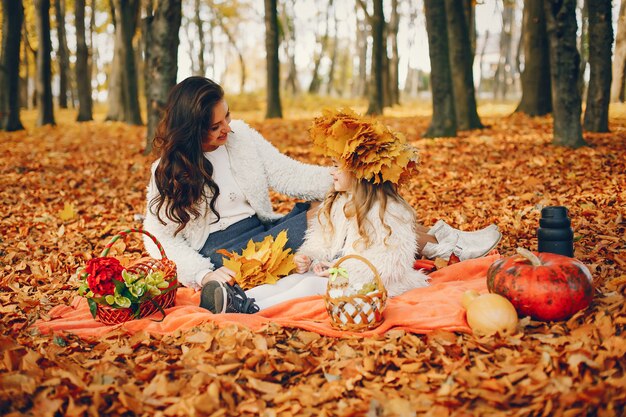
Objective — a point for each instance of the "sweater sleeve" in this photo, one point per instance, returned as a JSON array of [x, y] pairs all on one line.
[[392, 255], [191, 267], [291, 177], [314, 245]]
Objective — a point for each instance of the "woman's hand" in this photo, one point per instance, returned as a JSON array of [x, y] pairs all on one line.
[[222, 274], [303, 263], [321, 269]]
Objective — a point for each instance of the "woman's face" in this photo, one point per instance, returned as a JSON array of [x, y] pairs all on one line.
[[219, 128], [342, 178]]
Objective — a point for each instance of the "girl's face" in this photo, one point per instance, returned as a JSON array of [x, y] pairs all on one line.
[[219, 128], [342, 178]]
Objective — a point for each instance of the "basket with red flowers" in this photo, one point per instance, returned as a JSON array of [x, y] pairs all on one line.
[[117, 294]]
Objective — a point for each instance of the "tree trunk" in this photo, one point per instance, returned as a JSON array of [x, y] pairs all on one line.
[[115, 96], [600, 41], [25, 93], [385, 75], [330, 80], [536, 87], [443, 122], [461, 59], [274, 108], [394, 60], [93, 59], [13, 16], [583, 48], [470, 19], [291, 83], [126, 16], [360, 85], [201, 64], [161, 28], [504, 76], [481, 59], [3, 69], [83, 73], [64, 60], [376, 77], [45, 114], [316, 82], [561, 27], [619, 60], [123, 86], [233, 43]]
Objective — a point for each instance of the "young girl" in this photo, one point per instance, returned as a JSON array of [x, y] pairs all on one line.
[[363, 214]]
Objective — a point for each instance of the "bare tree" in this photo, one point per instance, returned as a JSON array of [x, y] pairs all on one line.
[[443, 122], [504, 72], [123, 82], [83, 74], [289, 43], [201, 70], [619, 59], [536, 91], [160, 28], [360, 86], [316, 82], [564, 69], [461, 59], [274, 108], [376, 89], [394, 60], [600, 41], [64, 58], [45, 115], [13, 16]]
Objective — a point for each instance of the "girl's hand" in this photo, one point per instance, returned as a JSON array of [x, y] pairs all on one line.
[[303, 263], [321, 269], [222, 274]]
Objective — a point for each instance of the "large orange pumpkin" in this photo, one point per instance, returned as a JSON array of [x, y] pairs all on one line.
[[544, 286]]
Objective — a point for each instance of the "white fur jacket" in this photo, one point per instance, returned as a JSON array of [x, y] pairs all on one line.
[[392, 255], [257, 166]]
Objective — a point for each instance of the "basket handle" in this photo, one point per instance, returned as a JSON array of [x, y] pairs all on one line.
[[125, 233], [366, 262]]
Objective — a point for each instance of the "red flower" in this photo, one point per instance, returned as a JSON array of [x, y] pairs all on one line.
[[101, 273]]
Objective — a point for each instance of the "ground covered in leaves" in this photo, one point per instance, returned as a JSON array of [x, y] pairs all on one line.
[[65, 190]]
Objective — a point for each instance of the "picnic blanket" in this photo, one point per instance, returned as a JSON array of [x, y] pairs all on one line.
[[421, 310]]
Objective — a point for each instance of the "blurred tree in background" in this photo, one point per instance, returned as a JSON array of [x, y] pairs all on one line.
[[91, 54]]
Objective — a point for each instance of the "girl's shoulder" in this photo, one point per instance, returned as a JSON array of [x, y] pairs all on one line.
[[401, 210]]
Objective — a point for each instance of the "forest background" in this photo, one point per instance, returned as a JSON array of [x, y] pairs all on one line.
[[513, 105]]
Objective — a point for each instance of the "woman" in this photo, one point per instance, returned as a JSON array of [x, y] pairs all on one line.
[[209, 188]]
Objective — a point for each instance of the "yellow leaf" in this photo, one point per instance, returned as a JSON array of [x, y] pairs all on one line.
[[68, 212], [264, 262]]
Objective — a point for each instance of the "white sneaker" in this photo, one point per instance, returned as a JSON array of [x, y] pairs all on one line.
[[465, 245], [477, 244]]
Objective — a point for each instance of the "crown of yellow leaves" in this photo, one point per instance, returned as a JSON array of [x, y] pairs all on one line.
[[366, 147]]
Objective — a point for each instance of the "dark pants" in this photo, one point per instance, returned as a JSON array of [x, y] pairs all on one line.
[[236, 236]]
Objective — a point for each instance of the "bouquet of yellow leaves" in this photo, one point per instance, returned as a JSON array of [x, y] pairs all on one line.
[[261, 262]]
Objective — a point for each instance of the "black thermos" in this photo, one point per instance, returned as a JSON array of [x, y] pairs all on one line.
[[555, 234]]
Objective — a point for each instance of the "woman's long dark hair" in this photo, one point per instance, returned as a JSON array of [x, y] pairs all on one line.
[[183, 172]]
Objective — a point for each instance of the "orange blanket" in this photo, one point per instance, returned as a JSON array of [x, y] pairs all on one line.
[[418, 311]]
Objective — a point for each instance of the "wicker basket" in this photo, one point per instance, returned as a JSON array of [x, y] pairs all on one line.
[[357, 312], [110, 315]]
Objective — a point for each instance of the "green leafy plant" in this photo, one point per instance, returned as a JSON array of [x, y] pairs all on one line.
[[106, 282]]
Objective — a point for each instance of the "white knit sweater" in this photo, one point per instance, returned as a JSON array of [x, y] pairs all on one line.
[[257, 166], [391, 255]]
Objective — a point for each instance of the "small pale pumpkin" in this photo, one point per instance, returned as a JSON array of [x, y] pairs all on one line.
[[489, 313]]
